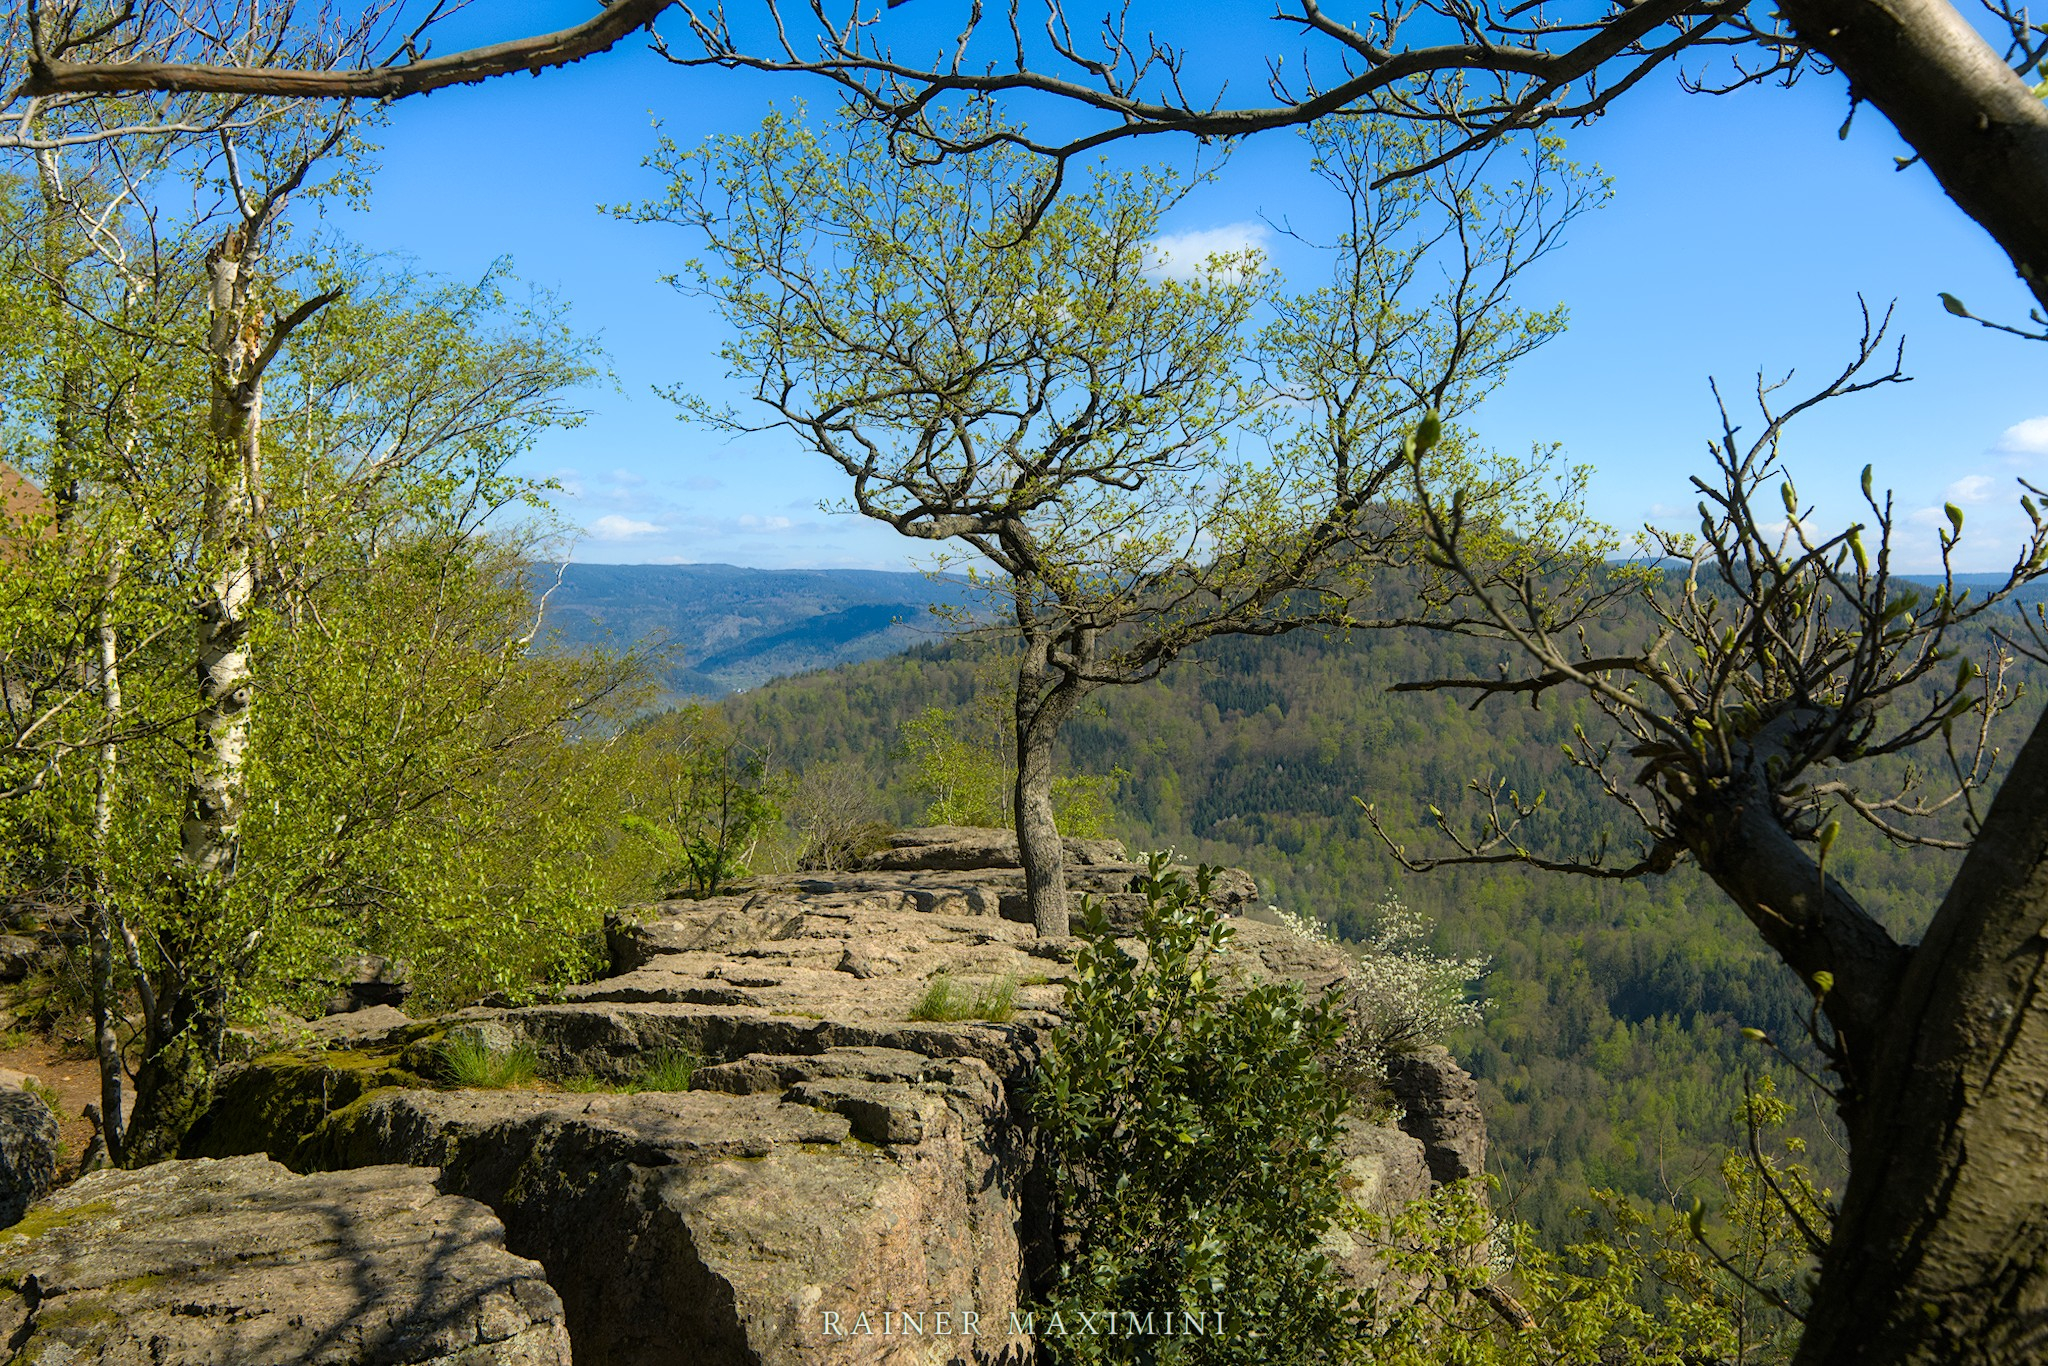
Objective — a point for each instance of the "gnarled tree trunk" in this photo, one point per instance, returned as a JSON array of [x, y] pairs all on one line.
[[1046, 697], [1940, 1253]]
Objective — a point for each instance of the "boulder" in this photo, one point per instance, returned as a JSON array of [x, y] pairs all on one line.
[[200, 1263], [957, 848], [1384, 1171], [1442, 1110], [18, 957], [719, 1228], [28, 1153]]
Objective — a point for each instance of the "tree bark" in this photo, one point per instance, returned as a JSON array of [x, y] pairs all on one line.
[[1809, 920], [1973, 120], [1038, 835], [1940, 1252], [181, 1051], [51, 76], [210, 832], [1043, 705], [65, 420]]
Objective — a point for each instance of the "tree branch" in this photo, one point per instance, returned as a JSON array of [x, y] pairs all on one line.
[[54, 76]]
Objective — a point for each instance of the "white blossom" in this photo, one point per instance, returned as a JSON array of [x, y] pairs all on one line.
[[1400, 995]]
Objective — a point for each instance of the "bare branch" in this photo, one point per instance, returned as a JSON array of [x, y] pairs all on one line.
[[54, 76]]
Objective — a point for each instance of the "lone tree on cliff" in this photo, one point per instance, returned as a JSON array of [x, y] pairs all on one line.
[[1057, 408]]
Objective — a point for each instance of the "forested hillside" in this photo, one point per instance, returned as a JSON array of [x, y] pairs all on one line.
[[1610, 1055]]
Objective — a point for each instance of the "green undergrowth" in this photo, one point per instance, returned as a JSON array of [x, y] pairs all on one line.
[[467, 1062], [948, 1000]]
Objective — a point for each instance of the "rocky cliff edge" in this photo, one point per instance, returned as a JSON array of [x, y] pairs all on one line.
[[840, 1183]]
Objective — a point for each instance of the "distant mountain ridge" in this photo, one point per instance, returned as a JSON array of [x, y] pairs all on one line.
[[733, 628], [1977, 583]]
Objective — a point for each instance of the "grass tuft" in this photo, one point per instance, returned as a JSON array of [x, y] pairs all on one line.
[[667, 1070], [947, 1000], [468, 1061]]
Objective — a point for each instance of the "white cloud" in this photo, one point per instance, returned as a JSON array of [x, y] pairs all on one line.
[[750, 522], [1182, 255], [2025, 438], [1971, 488], [612, 527]]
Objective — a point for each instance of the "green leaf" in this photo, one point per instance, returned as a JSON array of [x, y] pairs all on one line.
[[1954, 305], [1429, 431]]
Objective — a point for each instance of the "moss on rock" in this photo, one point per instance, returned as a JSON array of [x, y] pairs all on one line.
[[274, 1103]]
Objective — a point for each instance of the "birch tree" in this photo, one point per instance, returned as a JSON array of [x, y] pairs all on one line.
[[200, 520]]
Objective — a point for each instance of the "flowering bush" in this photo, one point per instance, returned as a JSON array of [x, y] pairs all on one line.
[[1399, 996]]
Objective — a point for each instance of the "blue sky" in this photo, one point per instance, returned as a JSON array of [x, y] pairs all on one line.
[[1740, 234]]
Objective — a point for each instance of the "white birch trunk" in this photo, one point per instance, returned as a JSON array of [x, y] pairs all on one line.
[[213, 798], [105, 1000]]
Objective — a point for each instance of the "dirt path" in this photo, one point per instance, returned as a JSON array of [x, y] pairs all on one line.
[[74, 1078]]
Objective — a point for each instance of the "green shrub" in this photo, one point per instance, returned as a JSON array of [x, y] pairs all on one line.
[[468, 1061], [700, 801], [1192, 1133], [45, 1093], [1398, 995], [946, 999], [1727, 1284]]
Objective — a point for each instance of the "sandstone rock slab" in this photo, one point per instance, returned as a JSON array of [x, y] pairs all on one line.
[[715, 1228], [18, 957], [1441, 1102], [938, 848], [201, 1263]]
